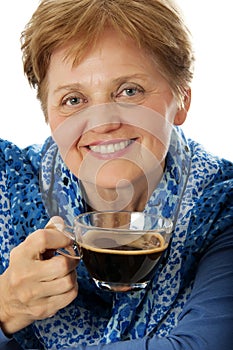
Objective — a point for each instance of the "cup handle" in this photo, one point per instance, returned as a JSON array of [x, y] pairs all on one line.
[[73, 251]]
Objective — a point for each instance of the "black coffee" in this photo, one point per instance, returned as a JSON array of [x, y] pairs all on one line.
[[122, 258]]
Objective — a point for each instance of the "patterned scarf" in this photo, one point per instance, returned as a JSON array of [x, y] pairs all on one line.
[[184, 194]]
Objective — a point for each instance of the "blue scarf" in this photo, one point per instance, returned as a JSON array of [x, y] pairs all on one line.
[[190, 192]]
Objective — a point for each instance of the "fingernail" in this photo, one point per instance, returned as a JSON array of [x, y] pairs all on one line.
[[57, 222]]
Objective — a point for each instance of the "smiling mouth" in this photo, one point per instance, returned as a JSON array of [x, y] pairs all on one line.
[[111, 147]]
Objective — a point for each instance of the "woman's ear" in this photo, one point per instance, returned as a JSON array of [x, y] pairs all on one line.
[[182, 111]]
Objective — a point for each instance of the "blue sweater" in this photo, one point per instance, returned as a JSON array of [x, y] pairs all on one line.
[[206, 320]]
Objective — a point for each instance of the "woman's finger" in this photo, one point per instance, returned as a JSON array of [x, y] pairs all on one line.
[[43, 240], [55, 268]]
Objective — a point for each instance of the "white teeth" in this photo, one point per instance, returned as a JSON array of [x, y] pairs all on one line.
[[111, 147]]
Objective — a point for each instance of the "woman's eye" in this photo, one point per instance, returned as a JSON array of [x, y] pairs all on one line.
[[132, 92], [73, 101]]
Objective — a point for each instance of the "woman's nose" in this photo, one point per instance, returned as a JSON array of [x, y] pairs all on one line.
[[106, 127], [103, 118]]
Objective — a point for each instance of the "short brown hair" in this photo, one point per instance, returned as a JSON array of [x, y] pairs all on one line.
[[156, 25]]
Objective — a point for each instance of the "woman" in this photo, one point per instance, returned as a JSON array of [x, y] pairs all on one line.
[[113, 78]]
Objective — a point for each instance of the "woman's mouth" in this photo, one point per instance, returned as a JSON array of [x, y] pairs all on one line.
[[110, 147], [115, 148]]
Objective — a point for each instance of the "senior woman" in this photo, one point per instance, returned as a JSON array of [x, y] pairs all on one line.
[[113, 78]]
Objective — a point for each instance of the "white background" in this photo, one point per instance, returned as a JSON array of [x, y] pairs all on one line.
[[210, 117]]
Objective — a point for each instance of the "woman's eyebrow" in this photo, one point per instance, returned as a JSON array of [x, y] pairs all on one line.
[[68, 87]]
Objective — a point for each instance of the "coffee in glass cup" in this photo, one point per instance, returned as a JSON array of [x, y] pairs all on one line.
[[120, 249]]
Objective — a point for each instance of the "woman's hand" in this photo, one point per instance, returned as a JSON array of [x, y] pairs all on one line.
[[37, 283]]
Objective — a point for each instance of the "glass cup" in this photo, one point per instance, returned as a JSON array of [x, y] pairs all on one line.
[[121, 250]]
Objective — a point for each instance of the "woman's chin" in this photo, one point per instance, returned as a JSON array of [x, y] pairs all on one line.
[[117, 178]]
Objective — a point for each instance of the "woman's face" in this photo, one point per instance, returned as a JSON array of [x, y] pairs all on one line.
[[115, 70]]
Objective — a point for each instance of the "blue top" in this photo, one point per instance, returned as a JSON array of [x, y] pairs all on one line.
[[207, 319], [187, 306]]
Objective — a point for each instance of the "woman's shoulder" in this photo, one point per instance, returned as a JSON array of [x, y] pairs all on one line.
[[209, 165], [19, 188], [19, 164], [12, 157], [211, 187], [211, 181]]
